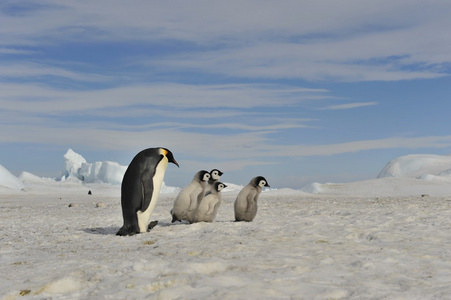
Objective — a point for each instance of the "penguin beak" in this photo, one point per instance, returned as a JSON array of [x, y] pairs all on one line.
[[170, 157], [174, 162], [267, 185]]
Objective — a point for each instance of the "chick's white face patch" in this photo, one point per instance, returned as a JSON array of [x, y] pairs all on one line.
[[206, 177]]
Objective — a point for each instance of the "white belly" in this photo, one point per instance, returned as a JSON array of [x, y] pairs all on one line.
[[144, 217]]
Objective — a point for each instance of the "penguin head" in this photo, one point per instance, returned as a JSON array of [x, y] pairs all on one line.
[[260, 181], [215, 174], [219, 186], [169, 156], [202, 175]]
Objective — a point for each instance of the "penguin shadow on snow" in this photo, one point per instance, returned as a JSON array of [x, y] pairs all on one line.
[[102, 230], [112, 230]]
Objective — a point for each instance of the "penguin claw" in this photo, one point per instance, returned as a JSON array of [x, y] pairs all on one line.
[[152, 225]]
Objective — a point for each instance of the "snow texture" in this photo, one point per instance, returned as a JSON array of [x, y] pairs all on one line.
[[387, 238]]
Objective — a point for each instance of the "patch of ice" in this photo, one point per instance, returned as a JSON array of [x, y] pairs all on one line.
[[72, 164], [102, 172]]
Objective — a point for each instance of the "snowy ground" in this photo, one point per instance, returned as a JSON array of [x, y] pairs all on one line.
[[334, 245]]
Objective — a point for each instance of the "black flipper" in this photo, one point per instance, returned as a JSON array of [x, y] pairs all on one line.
[[147, 189]]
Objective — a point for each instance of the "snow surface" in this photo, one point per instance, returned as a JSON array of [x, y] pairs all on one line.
[[387, 238]]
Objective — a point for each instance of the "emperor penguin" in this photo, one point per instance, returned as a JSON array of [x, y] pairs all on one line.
[[208, 207], [140, 188], [246, 201], [215, 175], [188, 199]]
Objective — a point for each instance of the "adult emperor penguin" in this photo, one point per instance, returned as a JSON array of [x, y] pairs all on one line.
[[141, 187], [246, 201], [189, 197], [208, 207], [215, 175]]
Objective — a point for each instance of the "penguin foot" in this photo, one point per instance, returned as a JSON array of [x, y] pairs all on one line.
[[124, 231], [152, 225]]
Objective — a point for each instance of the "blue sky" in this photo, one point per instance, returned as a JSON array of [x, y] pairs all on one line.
[[296, 91]]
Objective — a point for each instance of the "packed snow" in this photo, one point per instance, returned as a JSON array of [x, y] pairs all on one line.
[[387, 238]]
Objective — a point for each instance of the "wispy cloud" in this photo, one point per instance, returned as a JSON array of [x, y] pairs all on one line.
[[356, 146], [39, 98], [38, 71], [349, 105], [14, 51]]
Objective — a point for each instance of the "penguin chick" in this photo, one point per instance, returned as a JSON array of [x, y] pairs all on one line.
[[215, 175], [208, 207], [189, 197], [246, 201]]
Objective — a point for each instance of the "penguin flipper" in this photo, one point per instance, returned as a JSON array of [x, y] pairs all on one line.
[[250, 202], [147, 190], [210, 209]]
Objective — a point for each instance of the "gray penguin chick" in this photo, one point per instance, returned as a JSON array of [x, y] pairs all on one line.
[[246, 201], [189, 197], [208, 207]]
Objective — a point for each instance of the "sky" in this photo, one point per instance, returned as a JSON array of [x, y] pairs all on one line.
[[296, 91]]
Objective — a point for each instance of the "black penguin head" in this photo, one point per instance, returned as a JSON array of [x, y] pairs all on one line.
[[202, 176], [215, 174], [219, 186], [169, 156], [260, 181]]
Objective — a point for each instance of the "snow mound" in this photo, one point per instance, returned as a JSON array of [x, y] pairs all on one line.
[[418, 166], [313, 188], [27, 177], [7, 179]]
